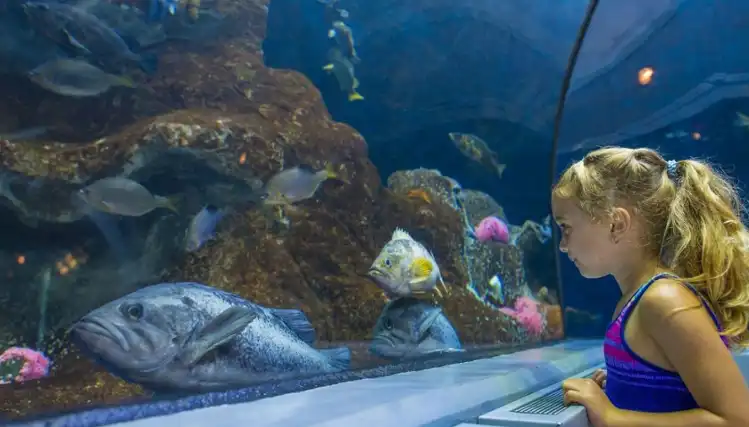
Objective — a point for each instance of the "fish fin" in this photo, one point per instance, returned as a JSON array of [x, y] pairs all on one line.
[[331, 33], [340, 357], [148, 62], [355, 83], [423, 326], [400, 234], [168, 202], [75, 43], [125, 81], [330, 172], [109, 206], [355, 59], [298, 322], [355, 96], [328, 67], [421, 267], [222, 329], [500, 169]]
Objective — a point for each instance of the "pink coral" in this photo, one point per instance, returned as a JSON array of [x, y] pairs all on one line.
[[492, 228], [35, 364], [526, 313]]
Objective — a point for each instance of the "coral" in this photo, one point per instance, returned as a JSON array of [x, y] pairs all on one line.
[[33, 364], [492, 229]]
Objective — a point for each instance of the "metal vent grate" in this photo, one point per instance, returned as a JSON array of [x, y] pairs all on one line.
[[551, 403]]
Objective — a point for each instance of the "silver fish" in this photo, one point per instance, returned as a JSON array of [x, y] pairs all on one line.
[[295, 184], [409, 327], [405, 267], [202, 227], [189, 336], [122, 196], [75, 78]]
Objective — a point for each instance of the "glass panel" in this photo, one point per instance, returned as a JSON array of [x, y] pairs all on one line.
[[208, 195]]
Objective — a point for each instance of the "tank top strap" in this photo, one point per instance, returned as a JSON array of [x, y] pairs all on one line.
[[635, 298], [641, 291]]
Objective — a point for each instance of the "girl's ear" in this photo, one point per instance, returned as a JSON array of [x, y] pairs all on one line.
[[621, 222]]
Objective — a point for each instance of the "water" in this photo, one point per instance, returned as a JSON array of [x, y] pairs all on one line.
[[235, 99]]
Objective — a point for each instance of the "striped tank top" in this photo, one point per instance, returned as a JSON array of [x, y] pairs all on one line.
[[633, 383]]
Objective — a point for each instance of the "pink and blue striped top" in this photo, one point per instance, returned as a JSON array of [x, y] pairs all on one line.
[[633, 383]]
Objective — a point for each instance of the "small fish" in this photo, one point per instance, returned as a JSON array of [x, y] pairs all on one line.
[[409, 327], [343, 36], [75, 78], [123, 196], [405, 267], [343, 70], [497, 288], [80, 30], [296, 184], [193, 9], [202, 227], [742, 120], [679, 134], [192, 337], [419, 194], [477, 150]]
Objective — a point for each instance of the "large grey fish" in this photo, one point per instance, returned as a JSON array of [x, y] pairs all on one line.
[[189, 336], [122, 196], [344, 37], [75, 78], [76, 28], [409, 327], [343, 70]]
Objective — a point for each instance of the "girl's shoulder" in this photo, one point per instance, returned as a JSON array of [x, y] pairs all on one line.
[[665, 297]]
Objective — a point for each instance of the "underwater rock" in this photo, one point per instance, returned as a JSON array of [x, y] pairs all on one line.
[[437, 187], [479, 205]]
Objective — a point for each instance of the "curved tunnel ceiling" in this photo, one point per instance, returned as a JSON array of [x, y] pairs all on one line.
[[699, 59], [428, 61]]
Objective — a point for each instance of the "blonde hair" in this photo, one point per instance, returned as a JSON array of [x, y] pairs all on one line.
[[693, 215]]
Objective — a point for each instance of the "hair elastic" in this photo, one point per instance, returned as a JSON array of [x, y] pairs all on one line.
[[671, 169]]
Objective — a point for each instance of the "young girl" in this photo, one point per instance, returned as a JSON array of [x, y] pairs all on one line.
[[670, 234]]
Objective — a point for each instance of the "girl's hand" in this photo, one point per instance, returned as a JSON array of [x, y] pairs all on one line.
[[599, 376], [587, 392]]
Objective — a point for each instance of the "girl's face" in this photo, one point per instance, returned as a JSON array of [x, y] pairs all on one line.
[[588, 243]]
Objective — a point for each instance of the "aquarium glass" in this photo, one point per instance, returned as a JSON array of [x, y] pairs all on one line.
[[218, 195]]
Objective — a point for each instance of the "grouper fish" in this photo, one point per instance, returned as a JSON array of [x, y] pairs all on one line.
[[192, 337]]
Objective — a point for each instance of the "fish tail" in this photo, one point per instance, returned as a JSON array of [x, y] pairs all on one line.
[[330, 172], [500, 169], [340, 357], [355, 96], [168, 202], [125, 81]]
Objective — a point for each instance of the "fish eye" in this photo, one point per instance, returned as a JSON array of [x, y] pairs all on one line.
[[388, 263], [134, 311], [388, 324]]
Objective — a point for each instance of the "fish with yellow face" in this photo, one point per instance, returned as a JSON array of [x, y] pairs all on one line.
[[405, 267], [477, 150]]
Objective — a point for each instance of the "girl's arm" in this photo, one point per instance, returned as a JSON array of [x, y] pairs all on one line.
[[690, 342]]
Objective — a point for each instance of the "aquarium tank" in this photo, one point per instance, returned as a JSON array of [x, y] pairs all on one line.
[[201, 196]]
